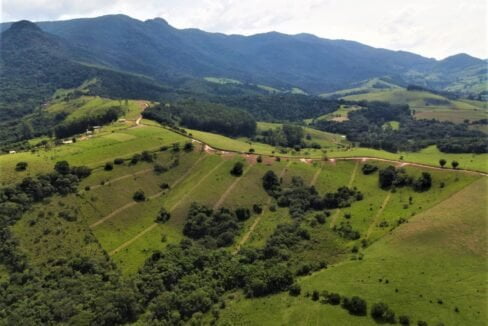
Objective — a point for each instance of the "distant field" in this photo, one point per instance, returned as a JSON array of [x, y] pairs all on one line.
[[428, 105], [370, 86], [339, 115], [425, 269]]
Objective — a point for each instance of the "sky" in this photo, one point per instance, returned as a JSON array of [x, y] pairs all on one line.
[[433, 28]]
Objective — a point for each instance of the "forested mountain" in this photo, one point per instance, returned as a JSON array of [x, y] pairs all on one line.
[[156, 49], [34, 64]]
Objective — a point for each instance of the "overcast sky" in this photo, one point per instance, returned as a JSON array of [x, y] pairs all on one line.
[[433, 28]]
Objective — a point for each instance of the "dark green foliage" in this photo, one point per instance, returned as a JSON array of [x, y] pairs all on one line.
[[139, 196], [382, 313], [365, 126], [204, 116], [333, 299], [369, 168], [188, 147], [270, 181], [355, 306], [163, 216], [422, 323], [315, 295], [346, 231], [62, 167], [109, 166], [284, 238], [295, 290], [404, 320], [259, 159], [423, 183], [80, 125], [442, 162], [320, 218], [119, 161], [212, 229], [454, 164], [21, 166], [391, 177], [147, 157], [286, 136], [242, 214], [237, 170], [158, 168]]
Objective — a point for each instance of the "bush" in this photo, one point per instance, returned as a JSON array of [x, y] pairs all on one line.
[[404, 320], [21, 166], [369, 169], [356, 306], [158, 168], [382, 313], [315, 295], [163, 216], [188, 147], [294, 290], [62, 167], [238, 169], [139, 196], [333, 299], [108, 166], [422, 323], [164, 186], [320, 218], [259, 159], [257, 209], [242, 214], [119, 161]]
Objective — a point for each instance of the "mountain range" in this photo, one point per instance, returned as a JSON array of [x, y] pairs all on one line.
[[50, 55]]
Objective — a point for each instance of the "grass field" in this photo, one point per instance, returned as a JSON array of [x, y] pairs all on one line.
[[340, 115], [428, 105], [424, 269]]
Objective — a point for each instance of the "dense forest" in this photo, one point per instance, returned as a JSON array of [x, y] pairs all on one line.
[[204, 116]]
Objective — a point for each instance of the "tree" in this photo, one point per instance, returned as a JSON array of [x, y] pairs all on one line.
[[188, 147], [442, 162], [270, 181], [108, 166], [404, 320], [21, 166], [455, 164], [295, 290], [62, 167], [139, 196], [237, 170], [386, 177], [382, 313], [163, 216], [356, 306]]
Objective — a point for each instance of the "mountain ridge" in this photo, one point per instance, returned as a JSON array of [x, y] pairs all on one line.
[[155, 48]]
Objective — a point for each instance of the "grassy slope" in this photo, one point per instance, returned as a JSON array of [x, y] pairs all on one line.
[[439, 254]]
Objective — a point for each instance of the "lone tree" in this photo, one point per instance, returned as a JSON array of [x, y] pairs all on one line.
[[237, 169], [270, 181], [163, 216], [382, 313], [455, 164], [21, 166], [139, 196], [442, 162]]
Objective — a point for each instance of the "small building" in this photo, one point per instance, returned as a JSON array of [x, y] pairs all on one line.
[[12, 152], [121, 120], [67, 141]]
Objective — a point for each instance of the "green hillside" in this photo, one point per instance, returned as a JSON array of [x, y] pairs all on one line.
[[428, 105]]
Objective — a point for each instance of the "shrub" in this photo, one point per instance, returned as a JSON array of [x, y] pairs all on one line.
[[356, 306], [422, 323], [164, 186], [242, 214], [139, 196], [188, 147], [404, 320], [146, 157], [158, 168], [108, 166], [257, 209], [333, 299], [315, 295], [119, 161], [454, 164], [238, 169], [62, 167], [163, 216], [294, 290], [21, 166], [382, 313], [369, 169], [259, 159], [320, 218], [135, 158]]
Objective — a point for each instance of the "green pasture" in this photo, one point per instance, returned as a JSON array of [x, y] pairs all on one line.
[[432, 268]]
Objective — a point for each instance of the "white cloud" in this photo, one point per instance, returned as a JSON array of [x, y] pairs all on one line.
[[435, 28]]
